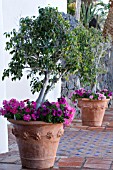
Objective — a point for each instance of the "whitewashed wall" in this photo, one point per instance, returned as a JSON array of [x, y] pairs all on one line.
[[3, 122], [10, 13]]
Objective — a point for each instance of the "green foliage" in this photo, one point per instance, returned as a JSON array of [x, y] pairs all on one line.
[[39, 45], [71, 8], [98, 11], [91, 47], [88, 12]]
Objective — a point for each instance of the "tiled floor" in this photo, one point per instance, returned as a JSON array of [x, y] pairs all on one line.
[[81, 147]]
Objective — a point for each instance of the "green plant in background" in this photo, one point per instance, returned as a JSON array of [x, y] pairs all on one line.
[[38, 46], [91, 47], [90, 11], [102, 12], [71, 6]]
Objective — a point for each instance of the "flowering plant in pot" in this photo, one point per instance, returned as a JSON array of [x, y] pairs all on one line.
[[83, 93], [54, 112], [92, 104], [39, 46], [92, 47]]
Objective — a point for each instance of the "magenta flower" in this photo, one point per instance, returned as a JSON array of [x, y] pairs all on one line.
[[59, 113], [5, 102], [62, 100], [27, 117], [34, 104], [22, 104], [2, 111], [82, 93], [28, 110], [55, 112], [33, 116]]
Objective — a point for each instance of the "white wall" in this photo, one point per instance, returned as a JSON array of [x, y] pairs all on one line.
[[2, 57], [3, 121], [12, 12]]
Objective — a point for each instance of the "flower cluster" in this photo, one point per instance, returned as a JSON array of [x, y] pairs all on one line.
[[54, 112], [82, 93]]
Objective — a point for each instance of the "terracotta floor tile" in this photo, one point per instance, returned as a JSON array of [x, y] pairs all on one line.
[[97, 166], [77, 121], [67, 168], [98, 161], [110, 124], [108, 129], [105, 123], [71, 162], [78, 124], [90, 169], [82, 127], [98, 129]]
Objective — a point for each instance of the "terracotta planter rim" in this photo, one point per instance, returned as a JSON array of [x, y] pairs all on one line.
[[86, 99], [22, 122]]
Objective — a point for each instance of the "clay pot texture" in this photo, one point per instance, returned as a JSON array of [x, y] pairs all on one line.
[[92, 111], [37, 142]]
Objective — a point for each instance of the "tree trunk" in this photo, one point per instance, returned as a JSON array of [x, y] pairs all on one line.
[[78, 8], [108, 26]]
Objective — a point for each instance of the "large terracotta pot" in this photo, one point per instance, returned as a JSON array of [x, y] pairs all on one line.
[[37, 142], [92, 111]]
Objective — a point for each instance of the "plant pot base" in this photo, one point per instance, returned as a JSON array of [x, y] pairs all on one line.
[[92, 111], [38, 164], [37, 142], [92, 123]]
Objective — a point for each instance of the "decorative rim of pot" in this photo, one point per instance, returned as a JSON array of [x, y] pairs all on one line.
[[92, 100], [22, 122]]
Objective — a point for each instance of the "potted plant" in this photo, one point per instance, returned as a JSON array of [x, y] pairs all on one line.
[[91, 47], [38, 131], [42, 45], [92, 104]]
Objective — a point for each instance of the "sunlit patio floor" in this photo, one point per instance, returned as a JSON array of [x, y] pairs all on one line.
[[81, 147]]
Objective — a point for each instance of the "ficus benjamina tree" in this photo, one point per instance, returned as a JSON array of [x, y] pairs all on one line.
[[45, 46]]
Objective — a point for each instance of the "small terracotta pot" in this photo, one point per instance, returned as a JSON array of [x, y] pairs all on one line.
[[37, 142], [92, 111]]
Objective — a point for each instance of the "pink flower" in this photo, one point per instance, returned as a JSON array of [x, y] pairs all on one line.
[[33, 116], [2, 111], [34, 104], [13, 110], [57, 104], [5, 102], [27, 117], [105, 90], [22, 104], [99, 98], [28, 110], [91, 96], [66, 122]]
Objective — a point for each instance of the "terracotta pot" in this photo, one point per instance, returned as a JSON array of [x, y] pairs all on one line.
[[92, 111], [37, 142]]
